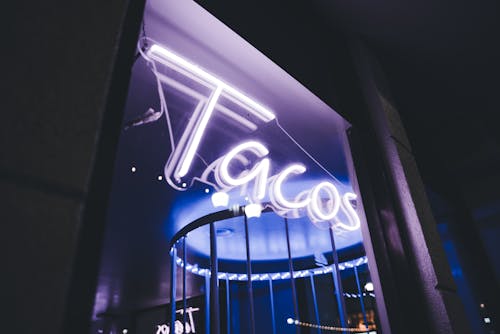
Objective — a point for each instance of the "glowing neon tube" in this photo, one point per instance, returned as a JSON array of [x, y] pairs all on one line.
[[157, 52], [192, 146]]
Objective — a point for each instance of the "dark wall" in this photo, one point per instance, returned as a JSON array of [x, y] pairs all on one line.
[[57, 64]]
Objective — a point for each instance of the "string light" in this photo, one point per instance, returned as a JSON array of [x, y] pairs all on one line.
[[282, 275], [295, 322]]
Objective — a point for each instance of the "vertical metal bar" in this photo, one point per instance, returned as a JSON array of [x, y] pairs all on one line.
[[214, 283], [249, 277], [228, 308], [207, 303], [173, 287], [337, 282], [271, 293], [316, 312], [290, 269], [361, 301], [184, 301]]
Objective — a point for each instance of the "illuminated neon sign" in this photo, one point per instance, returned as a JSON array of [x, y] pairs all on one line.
[[182, 157], [321, 203]]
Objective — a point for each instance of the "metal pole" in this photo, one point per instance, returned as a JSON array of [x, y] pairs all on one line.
[[271, 293], [214, 283], [361, 300], [316, 312], [184, 301], [290, 269], [207, 303], [249, 277], [173, 278], [337, 282], [228, 308]]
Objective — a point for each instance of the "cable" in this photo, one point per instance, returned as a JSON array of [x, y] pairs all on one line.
[[306, 153]]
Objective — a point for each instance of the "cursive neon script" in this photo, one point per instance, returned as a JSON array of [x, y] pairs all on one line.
[[322, 203]]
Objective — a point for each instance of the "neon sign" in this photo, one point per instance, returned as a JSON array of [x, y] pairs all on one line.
[[323, 203], [182, 156]]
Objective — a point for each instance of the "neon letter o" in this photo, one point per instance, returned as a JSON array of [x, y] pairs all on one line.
[[333, 203]]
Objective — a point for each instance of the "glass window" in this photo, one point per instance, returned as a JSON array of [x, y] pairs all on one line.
[[234, 193]]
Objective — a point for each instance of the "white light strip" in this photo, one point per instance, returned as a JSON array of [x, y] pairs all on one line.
[[193, 146], [277, 275], [262, 112]]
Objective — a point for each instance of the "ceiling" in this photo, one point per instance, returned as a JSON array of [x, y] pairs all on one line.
[[441, 60]]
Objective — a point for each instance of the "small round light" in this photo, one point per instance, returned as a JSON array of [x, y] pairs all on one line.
[[125, 331], [133, 169], [207, 190], [253, 210], [289, 321], [184, 185], [369, 287], [160, 177], [220, 199]]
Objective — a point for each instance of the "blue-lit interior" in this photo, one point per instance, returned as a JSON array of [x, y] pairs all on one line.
[[268, 241]]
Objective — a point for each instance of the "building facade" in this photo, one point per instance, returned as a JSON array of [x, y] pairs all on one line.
[[220, 181]]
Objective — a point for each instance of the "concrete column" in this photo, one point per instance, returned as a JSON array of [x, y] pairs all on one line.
[[417, 227], [57, 124]]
